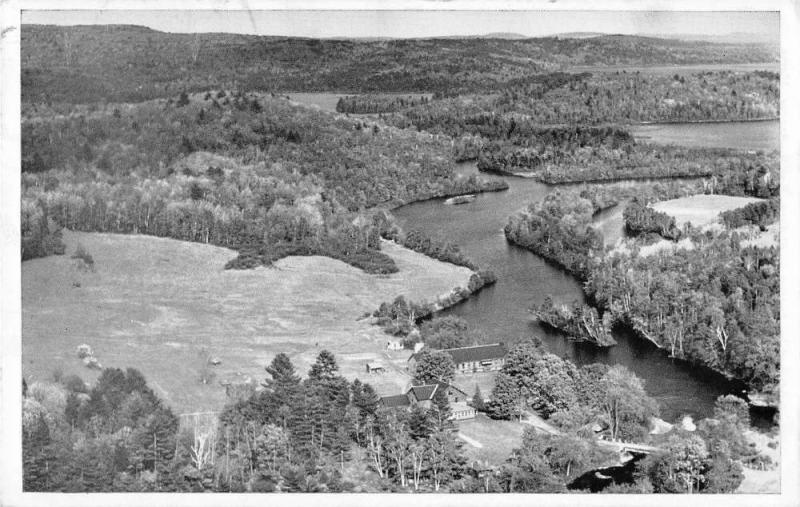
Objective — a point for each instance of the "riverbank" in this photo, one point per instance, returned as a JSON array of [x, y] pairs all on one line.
[[678, 122], [495, 186]]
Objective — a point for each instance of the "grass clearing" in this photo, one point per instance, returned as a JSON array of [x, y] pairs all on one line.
[[701, 209], [498, 438], [164, 306]]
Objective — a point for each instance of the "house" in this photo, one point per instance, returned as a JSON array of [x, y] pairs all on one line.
[[394, 344], [375, 368], [473, 359], [423, 396]]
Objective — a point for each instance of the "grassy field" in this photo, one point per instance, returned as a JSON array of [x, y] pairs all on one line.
[[701, 209], [490, 440], [165, 306]]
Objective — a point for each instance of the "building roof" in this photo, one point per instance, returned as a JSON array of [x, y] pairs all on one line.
[[477, 353], [422, 393], [398, 400], [426, 392], [375, 366]]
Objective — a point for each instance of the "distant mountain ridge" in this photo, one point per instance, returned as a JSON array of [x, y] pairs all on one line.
[[126, 63], [728, 38]]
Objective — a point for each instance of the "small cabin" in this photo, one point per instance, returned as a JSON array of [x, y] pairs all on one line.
[[375, 368], [394, 344]]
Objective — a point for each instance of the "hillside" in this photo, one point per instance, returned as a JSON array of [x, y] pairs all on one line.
[[130, 63], [188, 308]]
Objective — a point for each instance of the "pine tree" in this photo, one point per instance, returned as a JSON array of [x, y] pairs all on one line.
[[441, 408], [420, 423], [477, 400], [324, 368]]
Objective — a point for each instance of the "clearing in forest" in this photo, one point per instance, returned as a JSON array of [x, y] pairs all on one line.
[[701, 209], [165, 307]]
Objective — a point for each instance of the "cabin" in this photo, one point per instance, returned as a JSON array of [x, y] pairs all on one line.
[[375, 368], [478, 358], [394, 344], [423, 396]]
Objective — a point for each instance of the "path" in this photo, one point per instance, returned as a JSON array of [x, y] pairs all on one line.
[[470, 441], [538, 422]]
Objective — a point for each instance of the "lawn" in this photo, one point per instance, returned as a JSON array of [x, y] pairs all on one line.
[[496, 438], [164, 306]]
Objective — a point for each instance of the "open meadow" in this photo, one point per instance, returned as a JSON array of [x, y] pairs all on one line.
[[165, 307], [701, 209]]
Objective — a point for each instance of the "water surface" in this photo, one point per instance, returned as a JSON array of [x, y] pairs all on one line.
[[501, 312], [756, 135]]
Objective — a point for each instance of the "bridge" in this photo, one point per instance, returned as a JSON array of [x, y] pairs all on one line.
[[540, 424], [623, 447]]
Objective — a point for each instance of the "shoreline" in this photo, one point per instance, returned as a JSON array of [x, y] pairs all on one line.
[[758, 399], [678, 122], [399, 204]]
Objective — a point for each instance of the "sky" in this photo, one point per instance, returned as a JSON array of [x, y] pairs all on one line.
[[401, 24]]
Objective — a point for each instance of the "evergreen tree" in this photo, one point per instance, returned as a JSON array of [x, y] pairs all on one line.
[[324, 368], [441, 408], [420, 423], [477, 400]]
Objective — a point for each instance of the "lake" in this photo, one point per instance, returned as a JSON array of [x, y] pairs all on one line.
[[670, 70], [750, 135]]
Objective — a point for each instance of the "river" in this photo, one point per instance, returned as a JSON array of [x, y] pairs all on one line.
[[500, 313]]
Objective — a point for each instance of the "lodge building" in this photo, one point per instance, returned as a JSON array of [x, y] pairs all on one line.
[[473, 359]]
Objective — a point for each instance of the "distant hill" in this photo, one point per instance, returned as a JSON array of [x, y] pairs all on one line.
[[578, 35], [502, 35], [730, 38], [126, 63]]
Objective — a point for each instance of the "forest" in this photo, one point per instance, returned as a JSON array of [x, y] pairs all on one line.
[[599, 99], [715, 304], [323, 433], [123, 63], [237, 170]]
